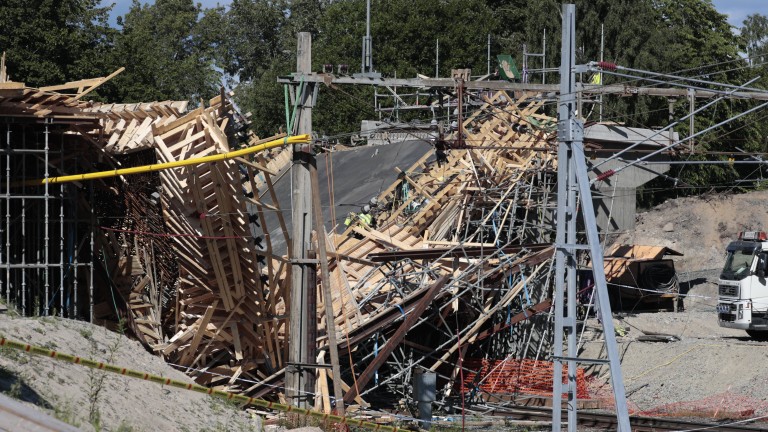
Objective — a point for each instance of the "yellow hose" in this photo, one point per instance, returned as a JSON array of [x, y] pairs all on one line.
[[298, 139]]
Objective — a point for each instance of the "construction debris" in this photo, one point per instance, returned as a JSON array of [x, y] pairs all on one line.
[[456, 263]]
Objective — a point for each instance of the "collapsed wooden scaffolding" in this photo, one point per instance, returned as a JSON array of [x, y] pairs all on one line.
[[459, 249]]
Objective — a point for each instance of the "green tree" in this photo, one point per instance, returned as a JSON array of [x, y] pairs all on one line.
[[404, 36], [168, 52], [263, 97], [252, 37], [51, 42], [755, 35]]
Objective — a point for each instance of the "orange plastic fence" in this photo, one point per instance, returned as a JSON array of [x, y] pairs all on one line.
[[526, 376]]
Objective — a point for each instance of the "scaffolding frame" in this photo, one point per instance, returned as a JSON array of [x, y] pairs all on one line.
[[46, 238]]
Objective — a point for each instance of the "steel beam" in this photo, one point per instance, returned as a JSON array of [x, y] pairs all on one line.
[[586, 89]]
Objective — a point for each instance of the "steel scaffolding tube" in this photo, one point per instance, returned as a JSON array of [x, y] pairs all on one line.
[[46, 237], [7, 217], [61, 232]]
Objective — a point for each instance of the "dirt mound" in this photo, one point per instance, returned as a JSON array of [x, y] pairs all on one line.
[[98, 400], [700, 227], [711, 372]]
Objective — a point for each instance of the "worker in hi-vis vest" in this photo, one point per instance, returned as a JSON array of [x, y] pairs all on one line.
[[363, 218]]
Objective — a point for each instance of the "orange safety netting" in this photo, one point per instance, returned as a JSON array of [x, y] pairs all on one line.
[[530, 377]]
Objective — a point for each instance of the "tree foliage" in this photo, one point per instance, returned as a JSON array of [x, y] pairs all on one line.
[[755, 35], [253, 39], [165, 50], [51, 42], [175, 49]]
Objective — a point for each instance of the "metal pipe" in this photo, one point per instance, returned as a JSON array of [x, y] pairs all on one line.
[[46, 227], [93, 252], [674, 84], [544, 59], [744, 162], [525, 63], [368, 44], [298, 139], [61, 233], [649, 155], [23, 229], [602, 54], [437, 58], [488, 71], [25, 197], [670, 126], [570, 275], [75, 248], [679, 78], [30, 265], [7, 219]]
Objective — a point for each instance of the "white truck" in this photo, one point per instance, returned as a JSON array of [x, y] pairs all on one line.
[[743, 289]]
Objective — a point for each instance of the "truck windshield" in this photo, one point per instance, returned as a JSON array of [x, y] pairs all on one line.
[[737, 264]]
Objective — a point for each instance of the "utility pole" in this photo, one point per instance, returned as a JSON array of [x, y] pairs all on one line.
[[691, 125], [488, 71], [367, 46], [367, 61], [602, 58], [299, 379], [572, 177]]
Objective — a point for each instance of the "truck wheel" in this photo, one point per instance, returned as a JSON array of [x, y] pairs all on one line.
[[760, 335]]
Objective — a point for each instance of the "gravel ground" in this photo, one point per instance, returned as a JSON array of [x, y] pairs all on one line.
[[711, 371], [97, 400]]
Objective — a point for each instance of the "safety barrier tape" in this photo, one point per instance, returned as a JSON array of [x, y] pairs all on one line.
[[157, 379]]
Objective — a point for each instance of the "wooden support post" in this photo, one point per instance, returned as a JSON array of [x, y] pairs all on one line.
[[299, 379], [327, 295]]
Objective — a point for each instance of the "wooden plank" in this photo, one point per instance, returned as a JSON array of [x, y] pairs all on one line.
[[99, 84], [215, 257], [236, 339], [346, 388], [226, 208], [255, 166], [164, 130], [201, 326], [10, 85], [72, 85], [381, 238], [394, 340], [322, 384], [279, 213]]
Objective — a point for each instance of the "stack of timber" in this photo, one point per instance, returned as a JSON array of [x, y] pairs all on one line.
[[230, 309], [16, 99], [129, 126]]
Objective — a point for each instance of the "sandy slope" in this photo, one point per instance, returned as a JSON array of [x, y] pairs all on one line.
[[65, 390], [715, 369]]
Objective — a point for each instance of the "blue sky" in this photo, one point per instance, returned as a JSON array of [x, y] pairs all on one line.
[[736, 10]]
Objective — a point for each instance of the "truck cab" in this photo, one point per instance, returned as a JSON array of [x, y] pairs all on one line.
[[743, 288]]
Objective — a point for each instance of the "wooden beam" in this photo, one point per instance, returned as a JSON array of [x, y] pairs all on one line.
[[100, 83], [396, 338]]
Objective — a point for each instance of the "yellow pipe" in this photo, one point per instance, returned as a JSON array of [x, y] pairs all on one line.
[[298, 139]]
